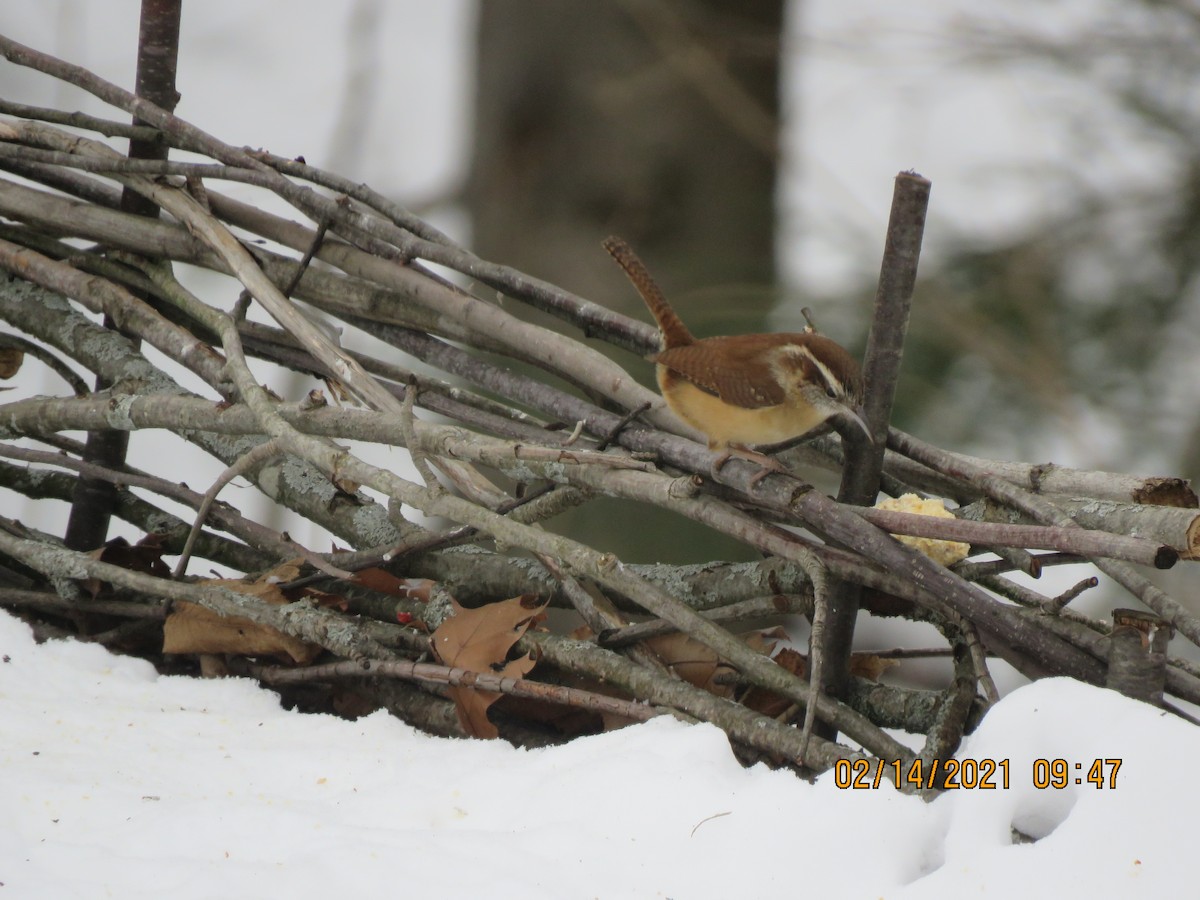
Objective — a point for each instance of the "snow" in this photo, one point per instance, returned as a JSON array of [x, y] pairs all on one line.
[[118, 782]]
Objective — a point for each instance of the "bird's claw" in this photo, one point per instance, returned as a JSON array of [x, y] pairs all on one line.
[[770, 465]]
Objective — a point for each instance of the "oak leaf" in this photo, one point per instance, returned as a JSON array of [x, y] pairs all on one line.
[[191, 628], [479, 640], [700, 665], [692, 661]]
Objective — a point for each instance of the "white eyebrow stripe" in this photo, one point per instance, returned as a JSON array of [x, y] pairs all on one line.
[[830, 379], [782, 353]]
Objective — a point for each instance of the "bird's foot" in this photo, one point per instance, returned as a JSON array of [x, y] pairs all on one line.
[[770, 465]]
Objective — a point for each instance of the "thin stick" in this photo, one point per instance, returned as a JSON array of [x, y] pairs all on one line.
[[418, 456], [1059, 602], [480, 681], [261, 453], [881, 371], [979, 661], [1036, 537], [40, 353]]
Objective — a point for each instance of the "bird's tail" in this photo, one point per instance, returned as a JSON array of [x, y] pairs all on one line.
[[674, 332]]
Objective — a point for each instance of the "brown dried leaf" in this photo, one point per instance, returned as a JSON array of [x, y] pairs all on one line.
[[765, 640], [324, 599], [191, 628], [695, 663], [472, 705], [868, 665], [269, 583], [479, 640], [769, 704], [10, 361], [145, 556], [700, 665], [385, 582], [793, 660], [863, 665], [272, 586], [347, 485]]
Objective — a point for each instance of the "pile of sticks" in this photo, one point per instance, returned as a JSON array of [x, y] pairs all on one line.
[[580, 427]]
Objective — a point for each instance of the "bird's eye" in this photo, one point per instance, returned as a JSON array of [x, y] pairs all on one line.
[[830, 393]]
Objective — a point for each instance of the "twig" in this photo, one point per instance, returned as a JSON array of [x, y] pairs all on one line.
[[946, 732], [734, 612], [230, 520], [1057, 603], [816, 661], [102, 296], [40, 353], [599, 615], [1176, 527], [598, 618], [82, 121], [456, 677], [316, 625], [741, 724], [54, 602], [1066, 539], [1015, 592], [979, 661], [251, 459], [913, 653], [306, 260], [621, 425], [37, 484], [416, 453], [972, 570], [1063, 482]]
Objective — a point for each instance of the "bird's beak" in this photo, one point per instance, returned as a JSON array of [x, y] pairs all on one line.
[[850, 415]]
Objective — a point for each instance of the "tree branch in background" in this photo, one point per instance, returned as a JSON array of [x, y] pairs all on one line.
[[158, 54], [881, 371]]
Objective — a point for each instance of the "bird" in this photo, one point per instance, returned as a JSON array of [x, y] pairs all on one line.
[[747, 389]]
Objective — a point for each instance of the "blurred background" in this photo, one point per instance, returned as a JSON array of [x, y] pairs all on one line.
[[747, 151]]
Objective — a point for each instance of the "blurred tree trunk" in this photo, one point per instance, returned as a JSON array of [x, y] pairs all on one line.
[[652, 119], [656, 120]]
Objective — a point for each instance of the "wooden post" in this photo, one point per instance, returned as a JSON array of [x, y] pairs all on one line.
[[1137, 655]]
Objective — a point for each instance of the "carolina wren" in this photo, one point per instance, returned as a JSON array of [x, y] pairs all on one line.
[[749, 388]]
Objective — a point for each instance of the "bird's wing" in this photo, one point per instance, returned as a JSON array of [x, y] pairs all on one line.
[[740, 375]]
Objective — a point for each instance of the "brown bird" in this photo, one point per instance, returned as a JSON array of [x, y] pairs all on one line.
[[746, 389]]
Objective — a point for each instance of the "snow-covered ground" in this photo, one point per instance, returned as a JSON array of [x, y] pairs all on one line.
[[119, 783]]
